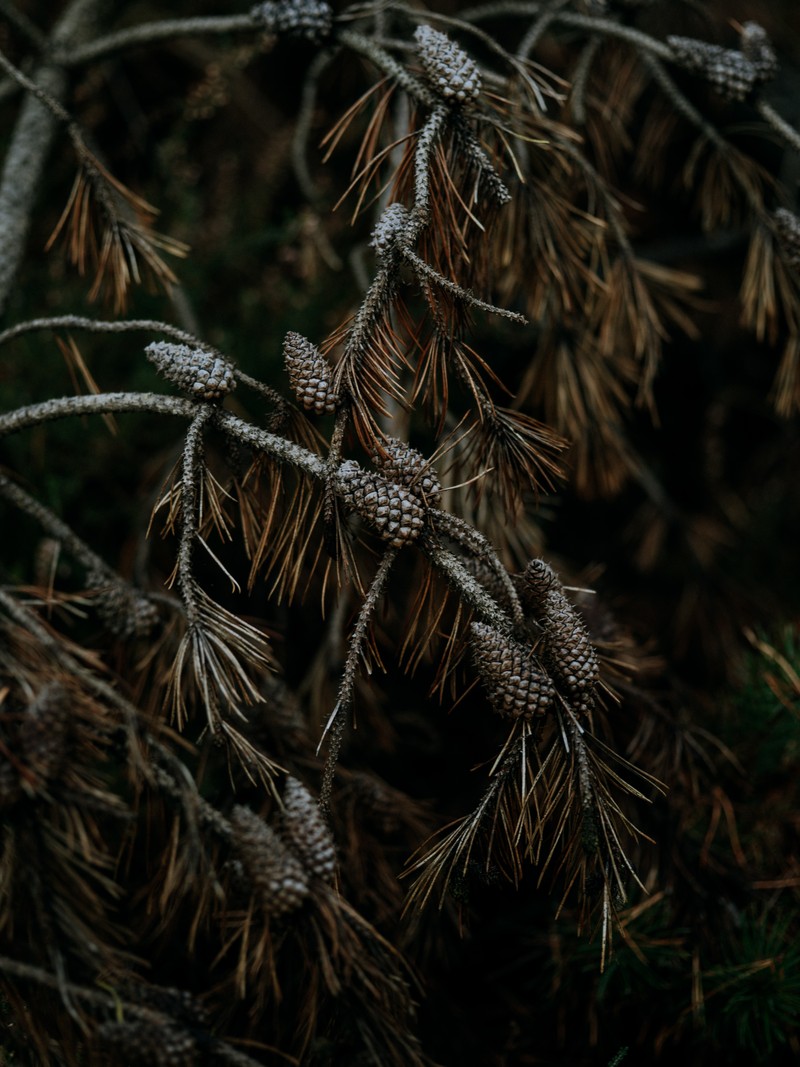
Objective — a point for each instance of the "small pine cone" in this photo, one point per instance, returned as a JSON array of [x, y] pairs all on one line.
[[309, 374], [306, 832], [730, 72], [272, 869], [757, 48], [125, 612], [449, 69], [395, 512], [567, 650], [43, 737], [406, 466], [788, 229], [309, 19], [201, 374], [516, 688], [537, 584], [389, 227], [147, 1042], [178, 1004]]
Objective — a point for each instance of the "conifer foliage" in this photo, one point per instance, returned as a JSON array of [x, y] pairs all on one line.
[[375, 707]]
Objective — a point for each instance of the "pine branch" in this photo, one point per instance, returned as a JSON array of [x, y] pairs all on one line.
[[785, 131], [355, 652], [30, 144], [113, 1004], [153, 32]]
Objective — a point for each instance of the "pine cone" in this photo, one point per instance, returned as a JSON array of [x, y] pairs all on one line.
[[788, 229], [516, 688], [201, 374], [309, 19], [149, 1042], [394, 511], [567, 650], [406, 466], [274, 872], [389, 227], [306, 832], [125, 612], [757, 48], [449, 69], [43, 738], [730, 72], [309, 374], [178, 1004]]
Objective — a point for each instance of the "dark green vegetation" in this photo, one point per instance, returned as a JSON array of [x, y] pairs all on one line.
[[306, 753]]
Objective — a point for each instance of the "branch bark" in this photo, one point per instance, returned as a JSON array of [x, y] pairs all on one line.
[[30, 145]]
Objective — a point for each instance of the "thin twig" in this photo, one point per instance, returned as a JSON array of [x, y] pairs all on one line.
[[344, 699], [580, 79]]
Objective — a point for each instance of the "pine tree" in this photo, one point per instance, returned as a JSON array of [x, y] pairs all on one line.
[[424, 689]]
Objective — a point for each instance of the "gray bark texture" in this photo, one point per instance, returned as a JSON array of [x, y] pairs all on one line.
[[30, 144]]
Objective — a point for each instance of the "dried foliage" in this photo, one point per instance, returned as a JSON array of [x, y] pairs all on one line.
[[202, 860]]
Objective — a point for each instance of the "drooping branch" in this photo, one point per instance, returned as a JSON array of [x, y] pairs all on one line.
[[80, 322], [153, 32], [56, 528]]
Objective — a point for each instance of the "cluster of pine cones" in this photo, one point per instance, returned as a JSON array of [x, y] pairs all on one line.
[[523, 681]]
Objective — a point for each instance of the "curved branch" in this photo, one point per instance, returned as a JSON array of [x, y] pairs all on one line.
[[58, 529], [79, 322], [151, 32], [591, 23]]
